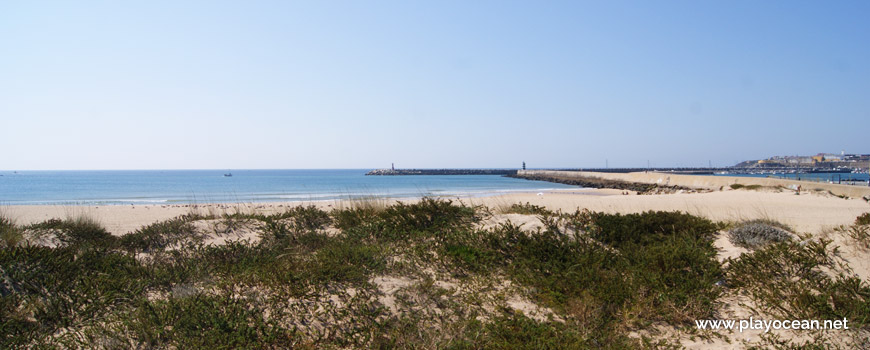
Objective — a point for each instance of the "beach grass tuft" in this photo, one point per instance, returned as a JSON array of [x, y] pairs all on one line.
[[10, 234], [859, 231]]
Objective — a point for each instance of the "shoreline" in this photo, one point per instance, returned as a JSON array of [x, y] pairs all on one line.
[[313, 197]]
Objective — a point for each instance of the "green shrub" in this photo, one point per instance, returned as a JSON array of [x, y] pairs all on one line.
[[274, 231], [559, 267], [346, 261], [789, 280], [863, 219], [747, 187], [299, 228], [661, 266], [81, 231], [46, 289], [237, 262], [310, 218], [670, 258], [299, 219], [347, 219], [469, 256], [204, 321], [528, 209], [513, 331], [676, 277], [647, 227], [427, 215], [160, 235], [401, 222]]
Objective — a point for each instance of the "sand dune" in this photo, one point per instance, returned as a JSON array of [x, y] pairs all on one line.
[[815, 213]]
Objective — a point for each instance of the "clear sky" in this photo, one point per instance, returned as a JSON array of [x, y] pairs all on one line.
[[360, 84]]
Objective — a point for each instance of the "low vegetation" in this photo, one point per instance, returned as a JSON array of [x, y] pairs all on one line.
[[420, 275], [79, 232], [160, 235], [745, 187], [859, 231], [527, 209], [754, 234], [10, 235], [802, 280]]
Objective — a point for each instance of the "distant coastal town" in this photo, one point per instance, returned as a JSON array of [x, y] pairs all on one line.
[[827, 162], [819, 163]]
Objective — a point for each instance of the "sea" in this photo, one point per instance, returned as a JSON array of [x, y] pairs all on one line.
[[124, 187]]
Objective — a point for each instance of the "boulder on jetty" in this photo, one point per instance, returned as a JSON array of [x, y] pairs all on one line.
[[597, 182]]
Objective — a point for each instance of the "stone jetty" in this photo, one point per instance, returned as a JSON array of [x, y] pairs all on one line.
[[389, 172]]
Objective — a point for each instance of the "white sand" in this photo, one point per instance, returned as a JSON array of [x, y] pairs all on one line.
[[810, 213]]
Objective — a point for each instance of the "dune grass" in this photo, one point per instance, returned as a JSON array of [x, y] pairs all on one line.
[[10, 234], [311, 281], [859, 231], [80, 231]]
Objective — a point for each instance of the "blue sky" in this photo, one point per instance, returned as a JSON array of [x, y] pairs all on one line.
[[361, 84]]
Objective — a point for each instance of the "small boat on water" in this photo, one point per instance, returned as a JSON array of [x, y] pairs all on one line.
[[228, 175]]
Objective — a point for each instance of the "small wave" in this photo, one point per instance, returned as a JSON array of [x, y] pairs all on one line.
[[138, 200]]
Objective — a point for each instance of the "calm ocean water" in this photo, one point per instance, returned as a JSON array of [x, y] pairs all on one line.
[[211, 186]]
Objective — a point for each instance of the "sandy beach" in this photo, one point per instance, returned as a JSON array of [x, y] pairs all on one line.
[[808, 212], [813, 213]]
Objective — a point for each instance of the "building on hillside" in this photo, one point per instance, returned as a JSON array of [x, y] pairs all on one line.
[[798, 160]]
